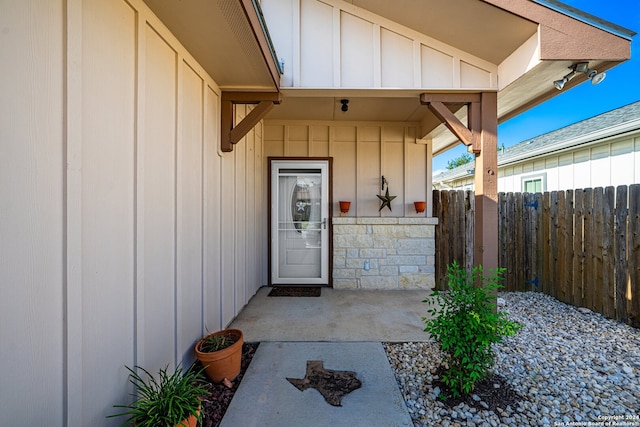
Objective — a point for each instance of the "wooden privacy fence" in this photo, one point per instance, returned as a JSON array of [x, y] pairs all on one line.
[[579, 246]]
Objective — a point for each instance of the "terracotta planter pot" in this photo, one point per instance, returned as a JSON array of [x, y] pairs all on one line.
[[192, 421], [223, 363], [420, 206], [344, 206]]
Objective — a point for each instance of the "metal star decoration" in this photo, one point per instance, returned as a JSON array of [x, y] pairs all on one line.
[[331, 384], [386, 200]]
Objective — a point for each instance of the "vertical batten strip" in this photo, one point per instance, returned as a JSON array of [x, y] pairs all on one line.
[[139, 329], [203, 198], [295, 66], [72, 380], [456, 72], [178, 213], [377, 57], [406, 210], [417, 64], [429, 172], [337, 52]]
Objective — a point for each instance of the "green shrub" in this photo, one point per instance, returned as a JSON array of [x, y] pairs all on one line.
[[465, 323]]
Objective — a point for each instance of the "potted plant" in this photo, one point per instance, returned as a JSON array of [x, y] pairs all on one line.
[[169, 400], [221, 354]]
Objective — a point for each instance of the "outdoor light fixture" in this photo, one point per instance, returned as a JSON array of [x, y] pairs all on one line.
[[580, 67], [345, 105]]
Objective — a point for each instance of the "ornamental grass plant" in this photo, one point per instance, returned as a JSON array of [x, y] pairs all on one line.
[[465, 323], [166, 401]]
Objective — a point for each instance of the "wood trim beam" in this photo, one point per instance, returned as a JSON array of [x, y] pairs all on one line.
[[252, 97], [451, 122], [231, 135], [250, 121], [481, 136], [460, 98], [469, 135], [485, 245], [475, 124]]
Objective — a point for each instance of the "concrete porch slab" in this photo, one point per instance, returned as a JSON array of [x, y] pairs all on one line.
[[337, 315]]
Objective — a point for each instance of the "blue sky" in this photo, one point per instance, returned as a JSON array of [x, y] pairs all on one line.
[[620, 87]]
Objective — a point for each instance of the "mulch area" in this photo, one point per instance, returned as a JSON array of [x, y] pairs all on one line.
[[214, 404], [494, 390]]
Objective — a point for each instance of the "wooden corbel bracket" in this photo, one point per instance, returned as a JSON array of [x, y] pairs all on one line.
[[231, 135], [468, 135]]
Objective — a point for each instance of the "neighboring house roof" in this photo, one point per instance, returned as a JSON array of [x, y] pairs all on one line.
[[605, 125]]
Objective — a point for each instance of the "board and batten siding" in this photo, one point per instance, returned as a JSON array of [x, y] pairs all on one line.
[[125, 233], [609, 163], [612, 162], [362, 152], [331, 43]]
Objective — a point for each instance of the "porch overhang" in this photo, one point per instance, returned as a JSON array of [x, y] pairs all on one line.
[[231, 41], [530, 43], [228, 38]]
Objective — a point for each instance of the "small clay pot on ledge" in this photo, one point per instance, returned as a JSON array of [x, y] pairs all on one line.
[[344, 207], [420, 206]]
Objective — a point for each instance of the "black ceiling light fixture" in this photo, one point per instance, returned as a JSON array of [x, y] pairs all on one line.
[[345, 105], [580, 67]]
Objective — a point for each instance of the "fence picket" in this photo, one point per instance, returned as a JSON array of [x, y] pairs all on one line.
[[608, 256], [622, 270], [561, 235], [470, 228], [546, 226], [578, 250], [633, 255], [568, 246]]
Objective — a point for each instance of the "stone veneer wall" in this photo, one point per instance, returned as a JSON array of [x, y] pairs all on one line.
[[400, 253]]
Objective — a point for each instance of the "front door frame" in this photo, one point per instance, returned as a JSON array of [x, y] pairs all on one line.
[[329, 248]]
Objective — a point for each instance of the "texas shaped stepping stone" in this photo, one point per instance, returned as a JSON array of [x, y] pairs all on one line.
[[331, 384]]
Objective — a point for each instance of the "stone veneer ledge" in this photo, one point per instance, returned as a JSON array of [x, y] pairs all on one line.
[[400, 252]]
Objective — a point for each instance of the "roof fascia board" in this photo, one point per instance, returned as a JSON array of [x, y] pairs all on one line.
[[261, 34], [564, 37], [588, 18]]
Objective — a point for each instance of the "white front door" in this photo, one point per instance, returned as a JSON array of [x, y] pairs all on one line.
[[299, 216]]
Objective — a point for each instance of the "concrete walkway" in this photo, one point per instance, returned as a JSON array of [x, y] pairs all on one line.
[[266, 398], [342, 328]]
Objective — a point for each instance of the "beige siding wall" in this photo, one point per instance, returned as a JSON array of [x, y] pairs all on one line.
[[331, 43], [612, 162], [362, 153], [125, 233], [32, 223]]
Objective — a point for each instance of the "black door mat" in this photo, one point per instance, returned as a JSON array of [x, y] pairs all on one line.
[[295, 291]]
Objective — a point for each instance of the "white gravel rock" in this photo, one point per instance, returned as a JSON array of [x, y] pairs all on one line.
[[569, 366]]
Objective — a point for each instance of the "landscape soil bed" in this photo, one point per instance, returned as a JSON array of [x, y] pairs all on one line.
[[216, 402]]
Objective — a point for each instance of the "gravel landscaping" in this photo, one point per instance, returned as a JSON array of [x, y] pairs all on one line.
[[567, 366]]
